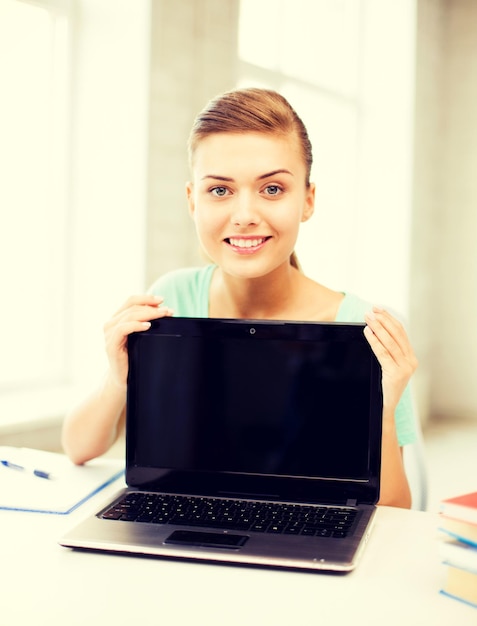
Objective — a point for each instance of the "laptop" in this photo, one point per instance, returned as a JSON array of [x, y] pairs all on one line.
[[247, 442]]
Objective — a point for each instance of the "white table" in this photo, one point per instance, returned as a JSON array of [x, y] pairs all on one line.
[[396, 583]]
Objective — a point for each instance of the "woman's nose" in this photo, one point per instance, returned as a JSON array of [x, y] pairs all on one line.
[[244, 212]]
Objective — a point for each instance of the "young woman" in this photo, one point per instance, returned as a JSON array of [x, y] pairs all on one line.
[[250, 159]]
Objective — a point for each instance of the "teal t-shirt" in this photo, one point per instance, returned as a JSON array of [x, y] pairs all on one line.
[[186, 291]]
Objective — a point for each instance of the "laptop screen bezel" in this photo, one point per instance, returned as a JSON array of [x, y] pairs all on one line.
[[229, 484]]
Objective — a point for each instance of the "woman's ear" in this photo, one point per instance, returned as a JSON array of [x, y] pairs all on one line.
[[190, 198], [309, 207]]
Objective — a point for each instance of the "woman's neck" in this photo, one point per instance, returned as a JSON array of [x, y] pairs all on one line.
[[266, 297], [287, 294]]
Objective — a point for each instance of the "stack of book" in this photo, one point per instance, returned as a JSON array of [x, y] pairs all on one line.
[[458, 549]]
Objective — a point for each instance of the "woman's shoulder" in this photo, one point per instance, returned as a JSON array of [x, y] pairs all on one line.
[[183, 276], [352, 308], [185, 290]]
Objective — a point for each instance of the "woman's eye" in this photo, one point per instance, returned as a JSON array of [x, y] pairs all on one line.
[[273, 190], [219, 191]]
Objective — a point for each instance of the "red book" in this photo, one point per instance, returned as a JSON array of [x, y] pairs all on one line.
[[463, 508]]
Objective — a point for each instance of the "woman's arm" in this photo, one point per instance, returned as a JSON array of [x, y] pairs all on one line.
[[390, 343], [395, 489], [90, 429]]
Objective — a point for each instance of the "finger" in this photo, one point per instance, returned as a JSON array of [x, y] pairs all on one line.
[[377, 346], [138, 313], [140, 300], [394, 328], [383, 350], [116, 334], [123, 330], [392, 324], [383, 334]]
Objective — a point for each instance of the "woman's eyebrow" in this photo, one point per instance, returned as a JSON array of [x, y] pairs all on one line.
[[227, 179], [217, 177], [269, 174]]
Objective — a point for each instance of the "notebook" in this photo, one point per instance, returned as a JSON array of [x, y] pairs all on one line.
[[38, 481], [247, 442]]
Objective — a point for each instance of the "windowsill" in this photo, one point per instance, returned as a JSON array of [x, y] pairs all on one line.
[[22, 411], [34, 419]]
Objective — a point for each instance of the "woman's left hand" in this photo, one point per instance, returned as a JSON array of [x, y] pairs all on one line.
[[391, 345]]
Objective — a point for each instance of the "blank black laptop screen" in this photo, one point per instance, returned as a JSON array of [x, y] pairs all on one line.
[[277, 399]]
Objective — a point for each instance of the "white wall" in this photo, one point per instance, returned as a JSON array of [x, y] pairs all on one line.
[[444, 260], [193, 57], [454, 388], [427, 195]]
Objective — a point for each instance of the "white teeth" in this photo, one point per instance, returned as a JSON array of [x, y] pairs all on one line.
[[246, 243]]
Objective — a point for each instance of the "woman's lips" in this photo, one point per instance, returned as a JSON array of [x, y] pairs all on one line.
[[246, 245]]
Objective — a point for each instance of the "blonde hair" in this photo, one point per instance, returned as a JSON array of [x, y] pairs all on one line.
[[252, 110]]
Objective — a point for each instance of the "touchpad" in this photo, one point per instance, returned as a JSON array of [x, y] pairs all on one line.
[[206, 540]]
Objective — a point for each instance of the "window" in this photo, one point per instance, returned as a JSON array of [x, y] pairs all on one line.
[[347, 68], [321, 80], [73, 122], [34, 166]]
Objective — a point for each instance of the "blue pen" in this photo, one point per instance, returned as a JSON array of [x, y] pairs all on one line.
[[15, 466]]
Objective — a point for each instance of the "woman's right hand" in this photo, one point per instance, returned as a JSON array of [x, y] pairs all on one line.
[[133, 316]]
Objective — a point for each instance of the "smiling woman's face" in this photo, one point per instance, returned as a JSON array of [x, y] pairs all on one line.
[[248, 197]]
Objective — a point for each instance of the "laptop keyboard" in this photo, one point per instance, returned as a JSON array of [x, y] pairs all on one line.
[[244, 515]]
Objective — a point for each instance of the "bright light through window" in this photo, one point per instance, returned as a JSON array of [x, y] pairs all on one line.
[[327, 52], [319, 74], [33, 215]]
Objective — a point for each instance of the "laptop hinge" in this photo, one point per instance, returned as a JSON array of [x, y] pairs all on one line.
[[351, 502]]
